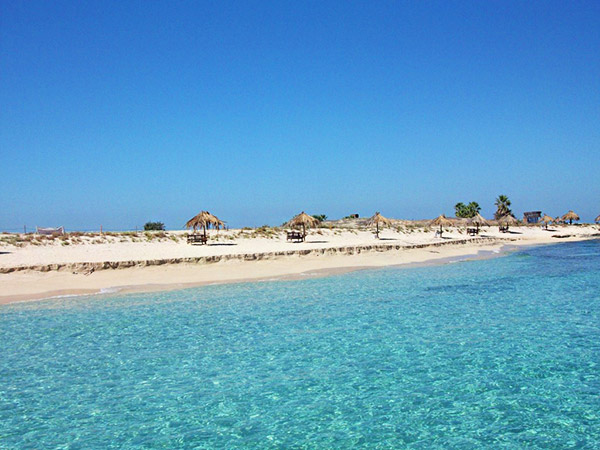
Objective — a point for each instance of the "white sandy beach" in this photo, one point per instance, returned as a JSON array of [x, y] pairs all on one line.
[[50, 269]]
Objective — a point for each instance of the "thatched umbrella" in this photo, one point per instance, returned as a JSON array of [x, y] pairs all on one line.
[[205, 220], [597, 219], [479, 221], [546, 220], [305, 221], [570, 216], [442, 221], [508, 220], [379, 219]]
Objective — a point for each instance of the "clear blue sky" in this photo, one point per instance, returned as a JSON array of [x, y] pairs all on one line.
[[117, 113]]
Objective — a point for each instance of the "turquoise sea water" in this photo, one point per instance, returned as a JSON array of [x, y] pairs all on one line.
[[501, 353]]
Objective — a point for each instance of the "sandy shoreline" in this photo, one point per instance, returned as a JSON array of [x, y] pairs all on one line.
[[70, 271]]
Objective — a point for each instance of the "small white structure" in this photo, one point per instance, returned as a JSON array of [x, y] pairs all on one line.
[[50, 231]]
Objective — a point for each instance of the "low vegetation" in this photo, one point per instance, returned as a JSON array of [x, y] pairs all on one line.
[[154, 226], [265, 232], [83, 238]]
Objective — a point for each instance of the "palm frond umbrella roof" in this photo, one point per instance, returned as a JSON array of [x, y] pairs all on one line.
[[378, 219], [442, 221], [570, 216], [597, 219], [303, 219], [479, 220], [204, 220], [508, 220], [546, 219]]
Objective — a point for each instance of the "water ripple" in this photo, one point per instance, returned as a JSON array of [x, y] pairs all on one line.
[[497, 353]]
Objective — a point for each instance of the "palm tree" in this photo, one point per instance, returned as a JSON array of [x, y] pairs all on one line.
[[473, 209], [502, 204], [467, 211]]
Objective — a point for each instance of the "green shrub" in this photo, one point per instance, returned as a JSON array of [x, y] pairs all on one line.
[[154, 226]]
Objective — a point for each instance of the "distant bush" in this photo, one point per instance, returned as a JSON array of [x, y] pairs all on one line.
[[154, 226], [320, 217]]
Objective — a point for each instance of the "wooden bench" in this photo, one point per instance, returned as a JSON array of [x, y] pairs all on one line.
[[295, 236], [197, 238], [472, 231]]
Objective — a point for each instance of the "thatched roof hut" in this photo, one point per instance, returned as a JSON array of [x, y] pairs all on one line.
[[479, 220], [442, 221], [570, 216], [508, 220], [303, 220], [546, 219], [379, 219], [204, 220]]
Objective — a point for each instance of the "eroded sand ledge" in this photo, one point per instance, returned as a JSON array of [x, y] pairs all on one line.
[[89, 267]]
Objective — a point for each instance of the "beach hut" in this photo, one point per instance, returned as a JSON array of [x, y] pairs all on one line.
[[204, 220], [478, 221], [379, 219], [303, 220], [506, 221], [442, 221], [546, 220], [532, 217], [570, 216]]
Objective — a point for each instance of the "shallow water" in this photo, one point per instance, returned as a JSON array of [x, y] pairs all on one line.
[[501, 353]]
